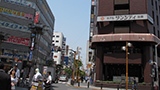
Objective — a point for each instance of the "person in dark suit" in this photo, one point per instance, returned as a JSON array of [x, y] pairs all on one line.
[[5, 79]]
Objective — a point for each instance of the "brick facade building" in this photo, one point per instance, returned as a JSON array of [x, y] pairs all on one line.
[[118, 21]]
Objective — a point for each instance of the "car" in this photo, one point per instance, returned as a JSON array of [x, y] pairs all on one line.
[[63, 78]]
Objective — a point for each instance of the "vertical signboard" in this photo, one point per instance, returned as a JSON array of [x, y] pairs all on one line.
[[36, 17]]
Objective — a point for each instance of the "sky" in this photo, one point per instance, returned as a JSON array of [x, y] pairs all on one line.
[[72, 18]]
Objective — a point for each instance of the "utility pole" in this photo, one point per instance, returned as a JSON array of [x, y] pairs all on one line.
[[77, 67], [72, 82], [126, 65]]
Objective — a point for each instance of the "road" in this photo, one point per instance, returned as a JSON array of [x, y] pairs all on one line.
[[65, 86]]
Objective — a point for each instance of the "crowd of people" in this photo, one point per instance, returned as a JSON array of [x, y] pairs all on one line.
[[9, 80]]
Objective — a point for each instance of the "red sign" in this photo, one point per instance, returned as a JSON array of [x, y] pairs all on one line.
[[18, 40], [36, 17]]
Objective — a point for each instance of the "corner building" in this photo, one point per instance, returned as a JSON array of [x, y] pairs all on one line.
[[15, 17], [118, 21]]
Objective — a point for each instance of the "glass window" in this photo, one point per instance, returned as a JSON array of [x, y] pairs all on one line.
[[57, 41], [57, 36]]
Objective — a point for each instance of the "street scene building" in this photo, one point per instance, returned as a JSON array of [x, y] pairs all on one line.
[[118, 23], [59, 44], [15, 17]]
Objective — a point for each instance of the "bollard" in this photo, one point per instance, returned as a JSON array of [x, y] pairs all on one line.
[[88, 84], [78, 84], [101, 86]]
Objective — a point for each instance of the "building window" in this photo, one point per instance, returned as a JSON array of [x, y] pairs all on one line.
[[157, 20], [53, 35], [57, 36], [153, 15], [121, 27], [158, 34], [55, 56], [57, 41], [121, 7], [154, 32], [152, 2], [156, 5]]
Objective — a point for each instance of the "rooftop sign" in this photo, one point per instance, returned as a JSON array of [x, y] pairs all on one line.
[[125, 17]]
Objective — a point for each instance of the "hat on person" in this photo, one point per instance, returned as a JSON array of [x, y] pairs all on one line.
[[37, 70]]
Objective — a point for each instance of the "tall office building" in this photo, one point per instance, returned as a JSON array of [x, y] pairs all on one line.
[[58, 43], [121, 21], [15, 17]]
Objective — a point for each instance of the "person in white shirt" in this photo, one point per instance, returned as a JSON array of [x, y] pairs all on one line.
[[48, 81], [17, 74], [38, 76]]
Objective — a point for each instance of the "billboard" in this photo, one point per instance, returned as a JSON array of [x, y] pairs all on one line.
[[18, 40]]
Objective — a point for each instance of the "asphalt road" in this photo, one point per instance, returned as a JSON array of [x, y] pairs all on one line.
[[60, 86]]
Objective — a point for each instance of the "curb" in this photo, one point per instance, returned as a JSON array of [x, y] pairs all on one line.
[[86, 87]]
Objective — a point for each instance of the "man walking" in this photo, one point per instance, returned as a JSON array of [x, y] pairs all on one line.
[[48, 81], [134, 85], [5, 79]]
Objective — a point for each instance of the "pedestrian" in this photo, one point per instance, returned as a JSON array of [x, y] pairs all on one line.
[[37, 80], [81, 79], [86, 78], [5, 79], [134, 83], [17, 74], [13, 79], [38, 76], [48, 81]]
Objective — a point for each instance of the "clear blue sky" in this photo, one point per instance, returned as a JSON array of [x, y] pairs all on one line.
[[72, 18]]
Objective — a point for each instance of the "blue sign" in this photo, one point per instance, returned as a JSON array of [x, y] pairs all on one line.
[[66, 60], [30, 55]]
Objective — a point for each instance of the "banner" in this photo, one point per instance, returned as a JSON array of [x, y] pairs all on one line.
[[36, 17], [16, 13], [13, 26], [22, 2], [18, 40]]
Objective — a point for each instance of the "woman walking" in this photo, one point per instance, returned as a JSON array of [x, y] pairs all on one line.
[[13, 79]]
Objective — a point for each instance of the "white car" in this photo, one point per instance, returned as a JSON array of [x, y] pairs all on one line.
[[63, 78]]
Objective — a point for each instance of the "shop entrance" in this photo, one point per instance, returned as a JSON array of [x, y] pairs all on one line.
[[112, 71]]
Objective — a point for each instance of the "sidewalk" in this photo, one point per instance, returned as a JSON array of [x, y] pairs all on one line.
[[20, 88], [85, 85]]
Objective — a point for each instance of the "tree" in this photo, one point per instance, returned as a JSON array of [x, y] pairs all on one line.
[[82, 73], [79, 63], [68, 71]]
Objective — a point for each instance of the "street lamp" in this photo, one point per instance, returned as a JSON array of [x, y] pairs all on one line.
[[37, 29], [125, 48], [156, 61]]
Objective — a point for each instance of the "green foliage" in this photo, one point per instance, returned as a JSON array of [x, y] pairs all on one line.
[[82, 73], [79, 63], [59, 67], [68, 71], [50, 63]]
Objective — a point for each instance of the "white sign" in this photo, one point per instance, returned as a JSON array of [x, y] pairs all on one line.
[[14, 26], [125, 17], [22, 2]]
